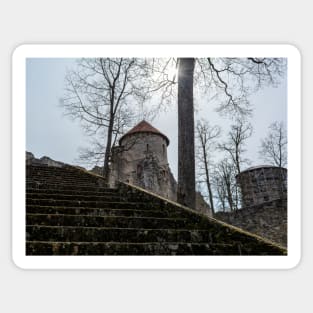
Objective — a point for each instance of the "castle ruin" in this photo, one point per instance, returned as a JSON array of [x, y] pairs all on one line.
[[264, 203], [141, 159]]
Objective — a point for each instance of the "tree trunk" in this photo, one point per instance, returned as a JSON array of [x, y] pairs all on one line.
[[237, 160], [108, 150], [186, 194], [207, 175], [230, 197]]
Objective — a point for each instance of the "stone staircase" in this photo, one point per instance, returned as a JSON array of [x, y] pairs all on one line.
[[70, 212]]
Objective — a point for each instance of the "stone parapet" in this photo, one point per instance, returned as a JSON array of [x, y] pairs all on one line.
[[268, 220]]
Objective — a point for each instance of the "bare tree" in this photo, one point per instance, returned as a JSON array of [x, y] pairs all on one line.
[[229, 80], [101, 86], [98, 91], [94, 154], [221, 192], [206, 136], [162, 80], [225, 184], [232, 80], [237, 137], [274, 147]]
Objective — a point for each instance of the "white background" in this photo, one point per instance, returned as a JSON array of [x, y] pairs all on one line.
[[23, 52], [35, 21]]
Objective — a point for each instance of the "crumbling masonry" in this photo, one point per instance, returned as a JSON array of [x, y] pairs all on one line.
[[141, 160]]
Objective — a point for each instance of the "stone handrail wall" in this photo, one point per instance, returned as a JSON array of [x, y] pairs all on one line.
[[216, 224], [268, 220]]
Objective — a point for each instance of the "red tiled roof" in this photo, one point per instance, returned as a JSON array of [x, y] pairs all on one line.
[[144, 127]]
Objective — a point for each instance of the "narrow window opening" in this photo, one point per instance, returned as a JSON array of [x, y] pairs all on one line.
[[139, 171]]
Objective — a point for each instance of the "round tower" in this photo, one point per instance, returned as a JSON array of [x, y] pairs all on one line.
[[144, 140], [141, 159], [260, 184]]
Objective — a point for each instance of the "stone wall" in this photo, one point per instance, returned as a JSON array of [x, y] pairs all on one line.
[[32, 160], [139, 144], [262, 184], [268, 220], [141, 159], [224, 233]]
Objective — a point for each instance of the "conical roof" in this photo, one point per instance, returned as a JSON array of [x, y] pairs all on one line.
[[144, 127]]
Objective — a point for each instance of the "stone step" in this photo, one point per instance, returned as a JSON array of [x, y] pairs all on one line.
[[107, 221], [60, 196], [91, 204], [117, 248], [62, 181], [63, 177], [128, 211], [70, 212], [61, 174], [140, 198], [106, 191], [78, 187], [64, 174], [56, 170], [103, 234], [53, 173]]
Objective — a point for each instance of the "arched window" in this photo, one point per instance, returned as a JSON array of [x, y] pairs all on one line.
[[139, 171], [163, 147]]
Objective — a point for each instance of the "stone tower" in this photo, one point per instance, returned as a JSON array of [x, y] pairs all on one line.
[[141, 160], [261, 184]]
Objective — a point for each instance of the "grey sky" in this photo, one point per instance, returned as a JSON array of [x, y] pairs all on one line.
[[50, 133]]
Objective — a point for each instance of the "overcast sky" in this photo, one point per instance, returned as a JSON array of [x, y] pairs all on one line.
[[50, 133]]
